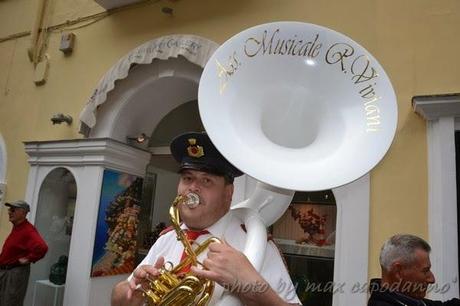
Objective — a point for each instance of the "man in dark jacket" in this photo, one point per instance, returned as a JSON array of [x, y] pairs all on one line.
[[406, 274]]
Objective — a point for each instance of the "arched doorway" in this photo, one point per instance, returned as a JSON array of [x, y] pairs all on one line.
[[161, 173], [151, 80], [54, 220]]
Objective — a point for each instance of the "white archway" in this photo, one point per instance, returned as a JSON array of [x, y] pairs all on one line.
[[139, 102], [197, 50], [53, 215]]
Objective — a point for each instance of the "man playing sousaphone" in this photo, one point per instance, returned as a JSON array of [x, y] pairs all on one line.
[[206, 180]]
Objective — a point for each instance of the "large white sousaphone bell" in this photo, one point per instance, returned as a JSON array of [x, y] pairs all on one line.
[[296, 106]]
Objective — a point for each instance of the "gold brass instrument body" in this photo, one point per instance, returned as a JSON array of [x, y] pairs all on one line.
[[171, 288]]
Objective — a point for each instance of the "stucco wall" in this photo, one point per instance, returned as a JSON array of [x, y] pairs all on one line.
[[416, 41]]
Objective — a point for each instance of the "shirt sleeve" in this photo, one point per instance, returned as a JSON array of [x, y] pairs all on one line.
[[36, 247], [274, 271]]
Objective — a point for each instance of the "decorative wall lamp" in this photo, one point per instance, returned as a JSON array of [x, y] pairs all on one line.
[[60, 118], [141, 138], [167, 10]]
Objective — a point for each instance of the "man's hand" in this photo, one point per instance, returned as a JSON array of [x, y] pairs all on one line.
[[142, 274], [232, 270], [228, 267], [127, 293]]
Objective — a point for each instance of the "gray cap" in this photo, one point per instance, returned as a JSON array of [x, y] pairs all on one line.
[[19, 204]]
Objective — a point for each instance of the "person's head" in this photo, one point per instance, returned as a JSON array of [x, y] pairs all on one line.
[[406, 266], [205, 172], [17, 211]]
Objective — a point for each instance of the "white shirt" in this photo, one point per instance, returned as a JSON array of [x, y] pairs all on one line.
[[228, 228]]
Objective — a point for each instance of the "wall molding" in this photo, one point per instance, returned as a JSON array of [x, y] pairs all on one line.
[[104, 152]]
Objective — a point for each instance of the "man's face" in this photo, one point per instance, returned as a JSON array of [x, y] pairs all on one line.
[[416, 277], [215, 198], [16, 215]]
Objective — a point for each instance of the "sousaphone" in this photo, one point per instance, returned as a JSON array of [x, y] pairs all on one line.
[[298, 107]]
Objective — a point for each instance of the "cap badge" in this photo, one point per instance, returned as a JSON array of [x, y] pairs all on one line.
[[193, 149]]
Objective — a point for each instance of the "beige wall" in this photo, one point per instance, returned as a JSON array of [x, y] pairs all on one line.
[[416, 42]]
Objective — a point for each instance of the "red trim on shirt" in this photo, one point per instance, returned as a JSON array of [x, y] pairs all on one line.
[[166, 230]]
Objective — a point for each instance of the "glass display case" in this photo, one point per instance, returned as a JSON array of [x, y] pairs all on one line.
[[305, 234]]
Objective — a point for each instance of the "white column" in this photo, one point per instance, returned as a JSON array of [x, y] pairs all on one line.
[[440, 112], [352, 243], [442, 206], [78, 285]]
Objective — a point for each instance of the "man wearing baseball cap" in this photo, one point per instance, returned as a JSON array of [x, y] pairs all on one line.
[[23, 246], [208, 176]]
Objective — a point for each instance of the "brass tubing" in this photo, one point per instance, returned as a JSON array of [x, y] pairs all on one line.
[[170, 289]]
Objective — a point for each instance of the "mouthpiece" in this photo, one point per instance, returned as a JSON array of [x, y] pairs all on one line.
[[192, 200]]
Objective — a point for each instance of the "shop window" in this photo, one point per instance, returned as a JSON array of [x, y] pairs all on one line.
[[305, 235]]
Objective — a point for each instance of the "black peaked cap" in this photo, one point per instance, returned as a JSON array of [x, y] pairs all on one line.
[[194, 150]]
